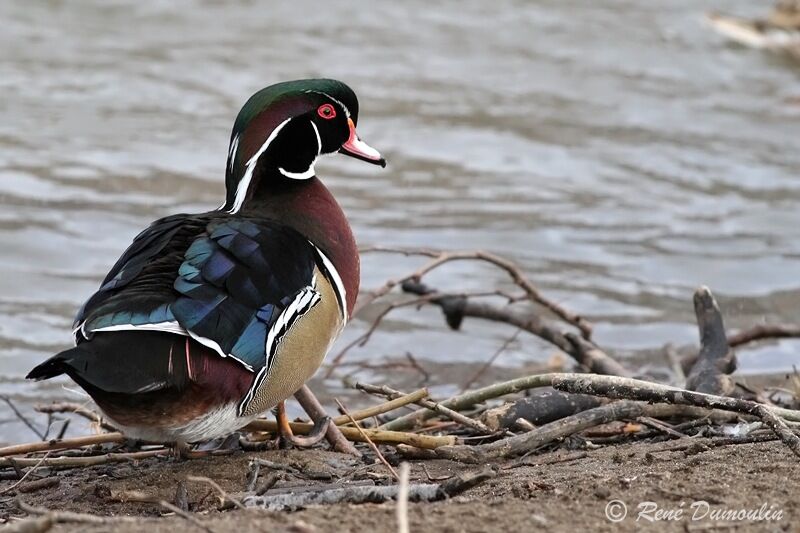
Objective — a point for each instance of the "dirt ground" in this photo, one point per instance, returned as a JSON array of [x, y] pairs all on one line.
[[558, 491]]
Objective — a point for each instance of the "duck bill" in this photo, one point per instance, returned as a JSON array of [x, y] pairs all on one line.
[[355, 147]]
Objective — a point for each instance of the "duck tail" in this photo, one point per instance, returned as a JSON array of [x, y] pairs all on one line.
[[61, 363]]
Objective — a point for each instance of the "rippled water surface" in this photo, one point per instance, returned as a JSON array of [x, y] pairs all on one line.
[[619, 151]]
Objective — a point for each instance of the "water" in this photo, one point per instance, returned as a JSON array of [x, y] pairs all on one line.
[[619, 151]]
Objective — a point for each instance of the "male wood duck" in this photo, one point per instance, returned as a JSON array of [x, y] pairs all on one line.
[[208, 320]]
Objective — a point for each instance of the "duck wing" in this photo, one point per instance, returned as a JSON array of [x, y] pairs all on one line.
[[233, 284]]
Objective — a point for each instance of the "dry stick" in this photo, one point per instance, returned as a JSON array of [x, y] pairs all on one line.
[[365, 337], [317, 413], [503, 347], [92, 460], [615, 387], [441, 257], [402, 500], [297, 499], [428, 404], [63, 444], [369, 441], [553, 431], [583, 351], [471, 398], [24, 477], [468, 399], [22, 417], [75, 408], [764, 331], [383, 437], [186, 516], [395, 403], [39, 484], [70, 517], [716, 360], [214, 485]]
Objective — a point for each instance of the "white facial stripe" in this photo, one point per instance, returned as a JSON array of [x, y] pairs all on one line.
[[319, 139], [232, 153], [346, 111], [244, 183], [338, 285]]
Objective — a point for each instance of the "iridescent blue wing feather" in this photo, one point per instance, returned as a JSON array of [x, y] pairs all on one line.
[[224, 281]]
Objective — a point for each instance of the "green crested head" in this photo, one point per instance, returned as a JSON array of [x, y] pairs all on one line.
[[283, 129]]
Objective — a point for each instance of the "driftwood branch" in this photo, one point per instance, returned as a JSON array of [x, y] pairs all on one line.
[[456, 308], [439, 257], [716, 359], [764, 331], [89, 460], [553, 431], [613, 387], [369, 494]]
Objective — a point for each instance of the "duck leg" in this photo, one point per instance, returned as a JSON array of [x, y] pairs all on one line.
[[285, 430]]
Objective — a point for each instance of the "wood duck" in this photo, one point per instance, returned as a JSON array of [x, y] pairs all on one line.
[[208, 320]]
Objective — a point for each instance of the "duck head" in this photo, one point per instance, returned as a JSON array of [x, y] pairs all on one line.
[[283, 129]]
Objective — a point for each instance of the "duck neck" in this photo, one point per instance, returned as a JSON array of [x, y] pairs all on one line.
[[309, 207]]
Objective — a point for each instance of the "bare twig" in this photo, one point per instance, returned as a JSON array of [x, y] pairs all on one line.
[[582, 350], [186, 516], [437, 407], [764, 331], [368, 494], [91, 460], [383, 437], [395, 403], [317, 413], [39, 484], [75, 408], [402, 500], [25, 476], [214, 485], [63, 444], [22, 417], [468, 399], [365, 337], [70, 517], [440, 257], [369, 441], [503, 347]]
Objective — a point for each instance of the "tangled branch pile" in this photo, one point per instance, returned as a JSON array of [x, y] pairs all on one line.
[[600, 404]]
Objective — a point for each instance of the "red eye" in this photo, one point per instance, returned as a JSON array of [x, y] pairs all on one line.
[[326, 111]]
